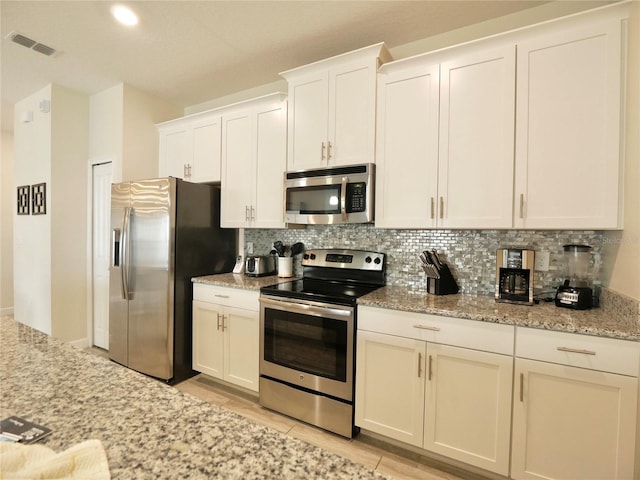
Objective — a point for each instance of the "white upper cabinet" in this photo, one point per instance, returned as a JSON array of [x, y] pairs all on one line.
[[190, 147], [332, 110], [445, 140], [407, 145], [568, 128], [254, 155], [475, 164]]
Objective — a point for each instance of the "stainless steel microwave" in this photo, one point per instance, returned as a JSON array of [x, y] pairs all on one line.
[[330, 195]]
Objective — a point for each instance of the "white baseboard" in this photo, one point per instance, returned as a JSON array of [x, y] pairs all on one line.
[[7, 311], [81, 343]]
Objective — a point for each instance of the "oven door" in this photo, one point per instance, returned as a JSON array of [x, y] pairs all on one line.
[[308, 345]]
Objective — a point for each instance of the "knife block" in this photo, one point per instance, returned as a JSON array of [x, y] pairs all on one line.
[[445, 285]]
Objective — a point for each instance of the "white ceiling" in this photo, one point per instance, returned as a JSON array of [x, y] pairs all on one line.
[[190, 52]]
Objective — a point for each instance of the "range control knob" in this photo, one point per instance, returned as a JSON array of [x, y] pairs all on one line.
[[368, 259], [313, 256], [377, 261], [306, 256]]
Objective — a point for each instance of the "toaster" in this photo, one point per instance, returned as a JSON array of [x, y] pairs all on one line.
[[260, 265]]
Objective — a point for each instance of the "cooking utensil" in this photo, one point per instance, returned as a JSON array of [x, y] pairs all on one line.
[[278, 246], [297, 248]]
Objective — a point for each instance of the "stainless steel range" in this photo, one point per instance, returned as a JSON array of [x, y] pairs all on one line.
[[307, 337]]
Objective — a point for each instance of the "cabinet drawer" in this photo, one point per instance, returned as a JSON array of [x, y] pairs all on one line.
[[490, 337], [232, 297], [584, 351]]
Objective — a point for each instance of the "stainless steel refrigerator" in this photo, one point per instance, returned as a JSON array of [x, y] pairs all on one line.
[[163, 232]]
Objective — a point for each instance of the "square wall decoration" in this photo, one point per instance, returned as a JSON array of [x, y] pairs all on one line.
[[39, 199], [23, 200]]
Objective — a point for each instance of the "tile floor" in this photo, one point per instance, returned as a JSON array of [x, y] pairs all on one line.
[[393, 461], [399, 464]]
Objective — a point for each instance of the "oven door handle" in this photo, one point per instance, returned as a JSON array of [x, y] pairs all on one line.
[[318, 311]]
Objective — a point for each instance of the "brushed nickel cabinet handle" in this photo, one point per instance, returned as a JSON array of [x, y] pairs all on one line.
[[427, 327], [576, 350], [441, 207], [322, 150], [430, 367], [329, 146], [218, 322], [419, 364], [219, 295], [522, 387], [522, 205], [433, 208], [223, 320]]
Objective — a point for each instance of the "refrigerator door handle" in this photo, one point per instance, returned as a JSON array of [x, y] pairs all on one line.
[[124, 253]]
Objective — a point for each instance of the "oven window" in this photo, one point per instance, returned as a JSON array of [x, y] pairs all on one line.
[[309, 344], [314, 200]]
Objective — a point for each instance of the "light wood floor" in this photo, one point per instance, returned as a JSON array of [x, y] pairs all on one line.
[[398, 463]]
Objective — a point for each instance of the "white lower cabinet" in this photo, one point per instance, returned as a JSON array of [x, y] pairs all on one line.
[[451, 400], [571, 422], [226, 337], [468, 406]]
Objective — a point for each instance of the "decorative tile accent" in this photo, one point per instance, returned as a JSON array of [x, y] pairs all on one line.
[[23, 200], [469, 253], [39, 199]]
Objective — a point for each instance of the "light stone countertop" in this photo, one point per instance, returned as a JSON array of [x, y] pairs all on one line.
[[240, 280], [544, 315], [149, 430]]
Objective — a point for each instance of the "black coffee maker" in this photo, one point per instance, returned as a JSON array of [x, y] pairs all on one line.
[[514, 275], [575, 291]]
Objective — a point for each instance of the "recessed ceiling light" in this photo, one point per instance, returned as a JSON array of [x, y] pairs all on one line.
[[124, 15]]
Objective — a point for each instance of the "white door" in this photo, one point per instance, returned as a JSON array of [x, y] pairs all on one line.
[[102, 178]]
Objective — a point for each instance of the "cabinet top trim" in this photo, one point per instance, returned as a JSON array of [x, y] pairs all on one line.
[[378, 50], [277, 97]]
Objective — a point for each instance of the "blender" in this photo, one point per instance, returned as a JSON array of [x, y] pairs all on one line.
[[576, 292]]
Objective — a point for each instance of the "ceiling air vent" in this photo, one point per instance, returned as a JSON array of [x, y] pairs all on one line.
[[20, 39]]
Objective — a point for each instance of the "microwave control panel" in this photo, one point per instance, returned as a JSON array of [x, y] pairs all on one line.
[[356, 197]]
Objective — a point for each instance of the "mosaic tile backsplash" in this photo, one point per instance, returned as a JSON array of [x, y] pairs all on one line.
[[471, 254]]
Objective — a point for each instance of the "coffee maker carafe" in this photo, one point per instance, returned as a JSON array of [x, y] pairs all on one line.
[[514, 275], [575, 292]]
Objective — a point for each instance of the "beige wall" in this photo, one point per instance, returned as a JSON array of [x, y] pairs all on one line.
[[123, 130], [49, 250], [7, 207]]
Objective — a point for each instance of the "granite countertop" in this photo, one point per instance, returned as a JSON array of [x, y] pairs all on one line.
[[544, 315], [240, 280], [149, 430]]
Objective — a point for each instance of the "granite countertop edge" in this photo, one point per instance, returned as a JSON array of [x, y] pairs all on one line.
[[546, 316]]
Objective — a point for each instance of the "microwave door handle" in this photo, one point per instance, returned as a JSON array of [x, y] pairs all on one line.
[[343, 198]]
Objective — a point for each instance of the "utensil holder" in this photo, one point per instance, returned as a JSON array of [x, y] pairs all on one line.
[[445, 285], [285, 266]]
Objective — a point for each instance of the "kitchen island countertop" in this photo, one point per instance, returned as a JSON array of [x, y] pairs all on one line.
[[544, 315], [149, 430]]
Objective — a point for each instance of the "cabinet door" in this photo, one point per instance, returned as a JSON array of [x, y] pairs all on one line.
[[237, 170], [308, 113], [175, 152], [351, 128], [468, 406], [271, 163], [475, 174], [390, 380], [206, 151], [208, 339], [568, 124], [572, 423], [241, 347], [407, 149]]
